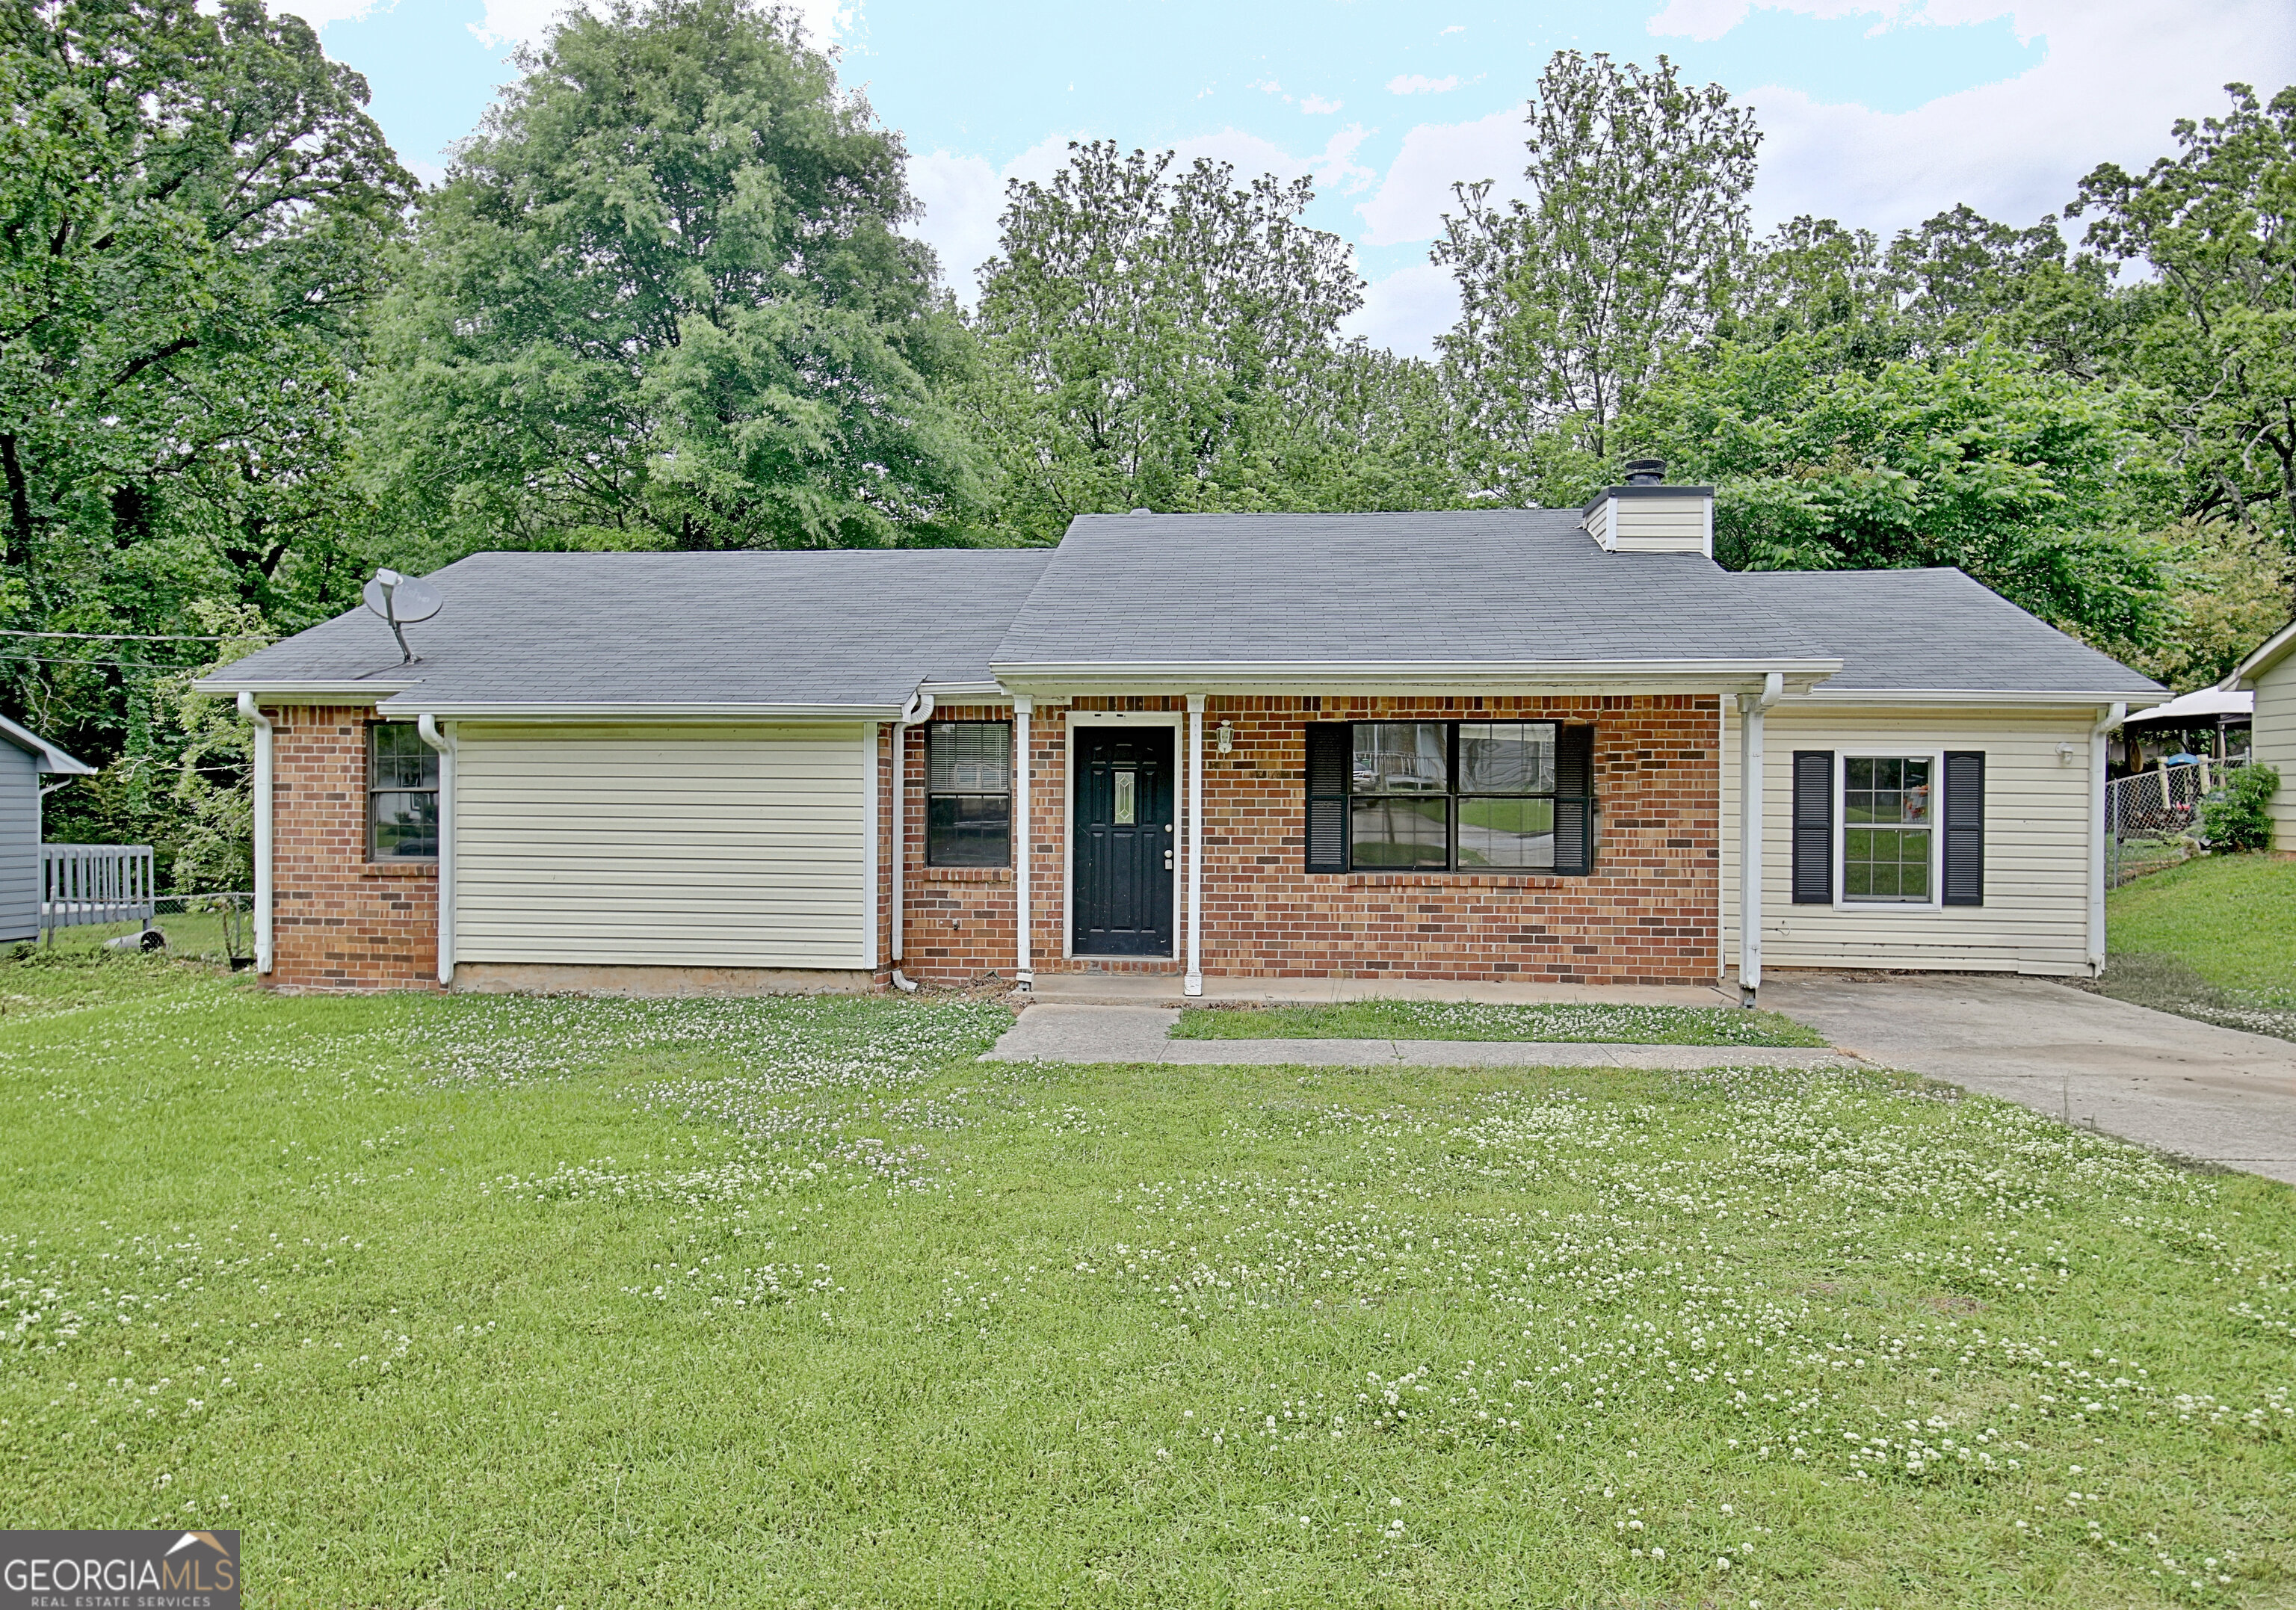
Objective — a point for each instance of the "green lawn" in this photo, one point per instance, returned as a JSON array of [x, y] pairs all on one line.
[[1574, 1023], [481, 1302], [2214, 939]]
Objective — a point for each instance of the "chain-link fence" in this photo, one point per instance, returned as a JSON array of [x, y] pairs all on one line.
[[2152, 819], [219, 928]]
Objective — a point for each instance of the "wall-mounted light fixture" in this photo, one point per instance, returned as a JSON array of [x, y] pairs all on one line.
[[1224, 737]]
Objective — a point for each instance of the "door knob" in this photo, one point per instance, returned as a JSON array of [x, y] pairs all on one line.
[[1167, 857]]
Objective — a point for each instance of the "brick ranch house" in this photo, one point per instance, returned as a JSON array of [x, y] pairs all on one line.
[[1503, 744]]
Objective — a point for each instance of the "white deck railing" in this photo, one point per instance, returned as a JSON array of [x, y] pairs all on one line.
[[82, 884]]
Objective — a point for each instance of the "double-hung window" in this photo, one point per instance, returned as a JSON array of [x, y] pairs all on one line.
[[1889, 841], [402, 794], [1455, 796], [969, 793]]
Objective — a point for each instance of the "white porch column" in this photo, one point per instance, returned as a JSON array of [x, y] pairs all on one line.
[[263, 803], [1750, 707], [2100, 745], [1193, 983], [1024, 963]]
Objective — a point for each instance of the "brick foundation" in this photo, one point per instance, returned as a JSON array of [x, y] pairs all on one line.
[[340, 922]]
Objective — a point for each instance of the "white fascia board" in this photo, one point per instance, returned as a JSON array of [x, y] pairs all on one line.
[[2268, 653], [2064, 698], [411, 706], [968, 692], [1475, 676]]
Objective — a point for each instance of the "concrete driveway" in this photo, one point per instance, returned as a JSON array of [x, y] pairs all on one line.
[[2215, 1094]]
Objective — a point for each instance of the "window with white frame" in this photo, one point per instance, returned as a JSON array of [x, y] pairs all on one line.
[[1888, 837]]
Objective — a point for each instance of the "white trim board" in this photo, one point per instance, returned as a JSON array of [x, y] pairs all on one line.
[[1177, 720]]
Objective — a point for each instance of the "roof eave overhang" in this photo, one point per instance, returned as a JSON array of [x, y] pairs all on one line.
[[412, 704], [2059, 698], [1048, 680], [2268, 653], [306, 690]]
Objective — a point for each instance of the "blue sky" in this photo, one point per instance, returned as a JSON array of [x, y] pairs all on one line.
[[1879, 112]]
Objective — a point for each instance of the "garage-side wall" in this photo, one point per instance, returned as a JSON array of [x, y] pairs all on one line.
[[339, 921], [2275, 746], [664, 846], [2035, 918]]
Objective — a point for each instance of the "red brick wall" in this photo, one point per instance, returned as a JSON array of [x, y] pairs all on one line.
[[958, 920], [339, 923], [1648, 914]]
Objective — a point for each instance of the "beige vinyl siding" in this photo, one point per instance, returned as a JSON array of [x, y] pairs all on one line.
[[1598, 522], [2275, 745], [735, 846], [2035, 918], [1663, 524]]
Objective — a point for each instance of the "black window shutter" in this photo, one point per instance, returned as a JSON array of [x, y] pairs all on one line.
[[1964, 827], [1812, 828], [1331, 751], [1574, 800]]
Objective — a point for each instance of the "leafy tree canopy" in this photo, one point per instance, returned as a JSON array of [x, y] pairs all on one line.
[[2032, 482], [663, 300], [1628, 250], [1170, 342]]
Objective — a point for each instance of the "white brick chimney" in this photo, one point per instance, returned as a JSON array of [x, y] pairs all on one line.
[[1647, 516]]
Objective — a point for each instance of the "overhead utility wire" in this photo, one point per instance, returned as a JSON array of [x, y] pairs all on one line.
[[116, 637]]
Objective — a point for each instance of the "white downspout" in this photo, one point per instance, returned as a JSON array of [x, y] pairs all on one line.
[[262, 803], [1024, 972], [427, 726], [1750, 707], [918, 709], [2098, 747], [1193, 983]]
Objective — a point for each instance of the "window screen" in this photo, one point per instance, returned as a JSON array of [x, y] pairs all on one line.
[[969, 793], [402, 794]]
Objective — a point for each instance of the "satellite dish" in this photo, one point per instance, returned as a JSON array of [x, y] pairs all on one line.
[[401, 600]]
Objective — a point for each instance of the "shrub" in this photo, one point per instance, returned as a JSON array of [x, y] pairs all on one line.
[[2232, 818]]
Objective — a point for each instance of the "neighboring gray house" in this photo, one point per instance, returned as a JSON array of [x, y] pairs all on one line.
[[25, 758]]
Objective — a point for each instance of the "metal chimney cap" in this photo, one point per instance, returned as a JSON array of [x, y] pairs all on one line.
[[1645, 472]]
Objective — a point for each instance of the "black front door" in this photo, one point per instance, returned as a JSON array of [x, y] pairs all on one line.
[[1122, 903]]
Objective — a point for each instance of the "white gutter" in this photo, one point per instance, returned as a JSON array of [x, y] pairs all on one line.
[[1024, 974], [305, 693], [919, 708], [1750, 707], [427, 726], [1261, 676], [262, 811], [530, 711], [2097, 749], [1193, 982], [1962, 695]]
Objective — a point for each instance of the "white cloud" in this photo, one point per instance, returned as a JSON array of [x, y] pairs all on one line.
[[509, 22], [2115, 76], [1407, 309], [1318, 105], [1415, 84], [1411, 201]]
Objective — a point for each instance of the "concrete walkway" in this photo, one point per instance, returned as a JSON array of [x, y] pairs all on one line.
[[2219, 1094], [1085, 1033]]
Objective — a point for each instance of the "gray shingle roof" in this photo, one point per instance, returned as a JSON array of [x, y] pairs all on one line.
[[747, 629], [1505, 585], [861, 630], [1936, 631]]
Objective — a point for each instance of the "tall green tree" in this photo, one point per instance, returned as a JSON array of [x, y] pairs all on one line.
[[663, 300], [1626, 250], [1162, 340], [2039, 485], [194, 213], [2216, 224]]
